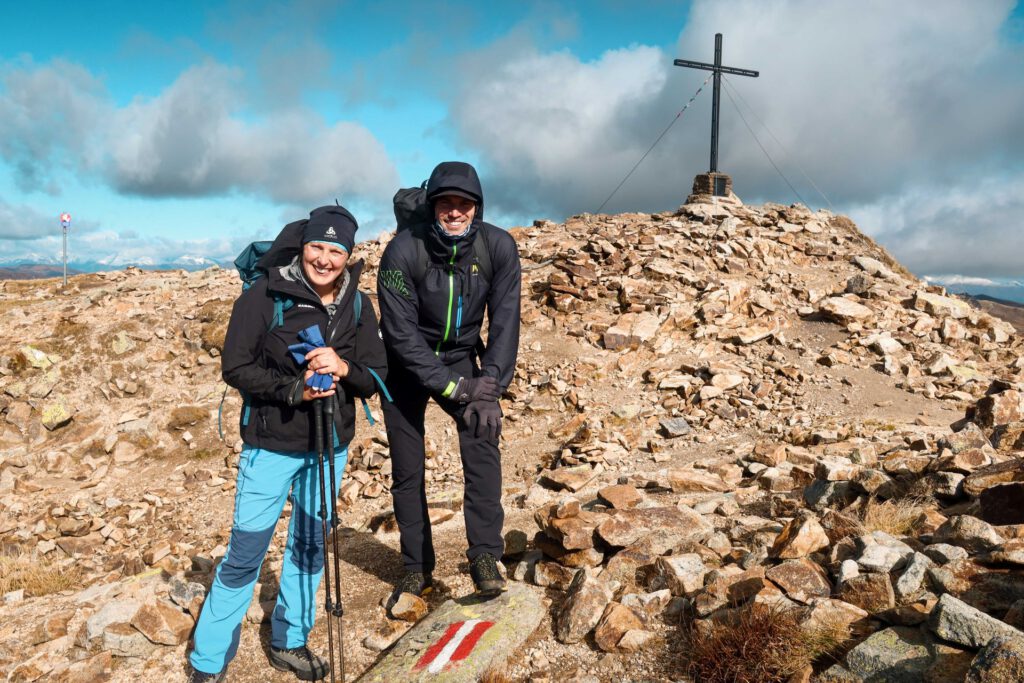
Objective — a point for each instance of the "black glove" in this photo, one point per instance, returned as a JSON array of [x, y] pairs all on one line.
[[476, 389], [484, 417]]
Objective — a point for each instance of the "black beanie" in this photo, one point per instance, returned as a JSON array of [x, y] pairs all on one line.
[[331, 224]]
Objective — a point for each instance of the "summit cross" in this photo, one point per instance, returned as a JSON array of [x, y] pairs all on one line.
[[718, 70]]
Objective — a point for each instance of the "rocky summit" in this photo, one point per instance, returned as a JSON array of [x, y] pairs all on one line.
[[716, 409]]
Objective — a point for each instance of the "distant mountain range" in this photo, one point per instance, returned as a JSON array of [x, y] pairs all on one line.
[[46, 268], [33, 272], [1010, 292]]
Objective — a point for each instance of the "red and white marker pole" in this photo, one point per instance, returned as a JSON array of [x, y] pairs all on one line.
[[65, 223]]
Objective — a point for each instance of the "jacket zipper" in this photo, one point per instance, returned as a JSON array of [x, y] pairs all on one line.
[[458, 320], [451, 292]]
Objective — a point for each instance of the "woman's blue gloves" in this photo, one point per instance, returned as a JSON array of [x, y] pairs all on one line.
[[311, 338]]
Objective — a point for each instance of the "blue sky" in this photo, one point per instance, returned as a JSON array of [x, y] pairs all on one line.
[[186, 129]]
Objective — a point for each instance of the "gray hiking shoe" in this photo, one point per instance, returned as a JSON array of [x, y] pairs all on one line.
[[486, 575], [300, 661], [193, 675]]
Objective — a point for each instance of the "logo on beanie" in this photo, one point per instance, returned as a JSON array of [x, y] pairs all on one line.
[[330, 232]]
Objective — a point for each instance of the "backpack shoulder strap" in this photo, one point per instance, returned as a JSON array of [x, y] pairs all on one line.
[[421, 262], [281, 304], [358, 309], [482, 253]]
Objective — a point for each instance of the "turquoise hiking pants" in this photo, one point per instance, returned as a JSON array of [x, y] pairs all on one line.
[[265, 480]]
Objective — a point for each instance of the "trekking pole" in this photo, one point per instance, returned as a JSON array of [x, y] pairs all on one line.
[[318, 428], [338, 609]]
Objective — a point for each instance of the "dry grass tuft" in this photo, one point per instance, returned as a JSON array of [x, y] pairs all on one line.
[[898, 517], [758, 645], [37, 575], [495, 676], [186, 416], [215, 316], [67, 329], [18, 363], [203, 454]]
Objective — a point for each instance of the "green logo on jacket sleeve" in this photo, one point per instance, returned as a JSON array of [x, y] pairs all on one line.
[[394, 280]]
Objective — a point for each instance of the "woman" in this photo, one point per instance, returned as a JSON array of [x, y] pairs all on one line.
[[309, 282]]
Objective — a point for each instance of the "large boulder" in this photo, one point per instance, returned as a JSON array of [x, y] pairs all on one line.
[[970, 533], [957, 622], [584, 605], [894, 655], [626, 527], [1003, 504]]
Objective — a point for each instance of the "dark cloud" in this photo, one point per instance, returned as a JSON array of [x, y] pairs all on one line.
[[975, 229], [49, 116]]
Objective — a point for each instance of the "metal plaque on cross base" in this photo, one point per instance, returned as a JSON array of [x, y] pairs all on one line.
[[714, 184]]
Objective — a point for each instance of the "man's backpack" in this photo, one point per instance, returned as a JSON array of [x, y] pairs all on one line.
[[411, 207], [247, 265]]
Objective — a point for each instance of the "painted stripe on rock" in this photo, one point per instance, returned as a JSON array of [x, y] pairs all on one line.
[[470, 641], [455, 645]]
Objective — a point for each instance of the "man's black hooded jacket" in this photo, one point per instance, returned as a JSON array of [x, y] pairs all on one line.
[[430, 324]]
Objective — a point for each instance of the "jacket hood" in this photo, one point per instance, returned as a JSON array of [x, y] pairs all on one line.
[[456, 175]]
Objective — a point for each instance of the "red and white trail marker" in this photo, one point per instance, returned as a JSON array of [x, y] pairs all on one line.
[[455, 645]]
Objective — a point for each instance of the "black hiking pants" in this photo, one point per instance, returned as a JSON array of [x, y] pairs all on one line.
[[481, 467]]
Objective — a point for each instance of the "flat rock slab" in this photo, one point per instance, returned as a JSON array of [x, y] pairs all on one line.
[[570, 478], [462, 639]]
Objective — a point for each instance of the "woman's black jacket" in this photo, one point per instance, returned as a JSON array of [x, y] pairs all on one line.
[[256, 360]]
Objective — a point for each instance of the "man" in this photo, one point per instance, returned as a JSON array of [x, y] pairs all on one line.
[[435, 283]]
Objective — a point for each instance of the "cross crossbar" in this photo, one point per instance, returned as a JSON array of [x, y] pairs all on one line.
[[711, 67]]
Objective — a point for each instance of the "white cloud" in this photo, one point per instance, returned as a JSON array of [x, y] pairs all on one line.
[[109, 248], [950, 280], [49, 116], [35, 238], [24, 223], [869, 97], [152, 250], [554, 130], [975, 229], [194, 139]]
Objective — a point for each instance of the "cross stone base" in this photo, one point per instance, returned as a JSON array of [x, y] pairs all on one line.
[[712, 188], [715, 184]]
